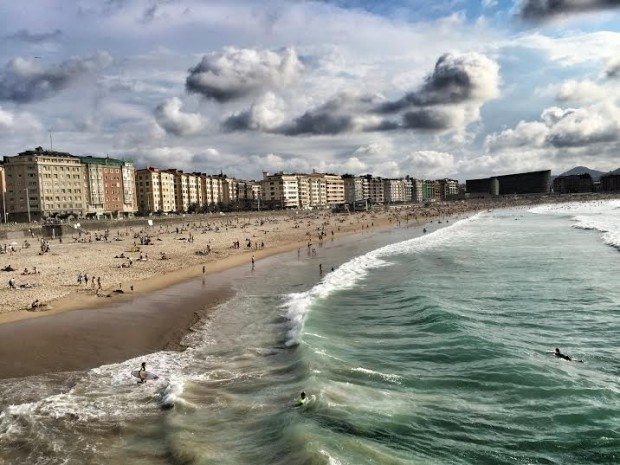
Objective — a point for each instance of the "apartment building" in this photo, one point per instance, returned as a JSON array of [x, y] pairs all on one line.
[[395, 190], [109, 186], [353, 188], [187, 190], [280, 190], [155, 190], [448, 188], [431, 190], [334, 186], [417, 190], [376, 193], [42, 183]]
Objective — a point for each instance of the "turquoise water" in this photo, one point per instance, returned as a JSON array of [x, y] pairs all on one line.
[[417, 349]]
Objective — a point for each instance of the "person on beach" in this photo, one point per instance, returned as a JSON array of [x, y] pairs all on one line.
[[252, 262]]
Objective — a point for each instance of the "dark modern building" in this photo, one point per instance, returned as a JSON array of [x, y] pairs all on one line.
[[573, 184], [535, 182], [610, 182]]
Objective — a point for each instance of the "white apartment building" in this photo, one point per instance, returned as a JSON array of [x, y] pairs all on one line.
[[155, 190], [280, 190]]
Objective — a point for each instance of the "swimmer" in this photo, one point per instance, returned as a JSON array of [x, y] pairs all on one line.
[[559, 354], [302, 399]]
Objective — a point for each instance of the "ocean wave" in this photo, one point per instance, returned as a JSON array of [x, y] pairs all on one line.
[[346, 276], [391, 377], [602, 216]]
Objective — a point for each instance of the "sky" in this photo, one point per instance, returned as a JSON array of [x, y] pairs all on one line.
[[428, 88]]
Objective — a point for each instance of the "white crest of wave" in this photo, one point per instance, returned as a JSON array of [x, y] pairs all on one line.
[[602, 216], [347, 275]]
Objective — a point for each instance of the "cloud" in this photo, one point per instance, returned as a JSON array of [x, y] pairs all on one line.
[[450, 97], [428, 164], [457, 78], [580, 91], [174, 121], [612, 69], [237, 73], [540, 10], [25, 35], [346, 112], [525, 134], [562, 128], [24, 80], [21, 122], [578, 127], [265, 114]]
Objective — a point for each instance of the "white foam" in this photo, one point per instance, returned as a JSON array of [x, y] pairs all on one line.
[[602, 216], [392, 378], [347, 275]]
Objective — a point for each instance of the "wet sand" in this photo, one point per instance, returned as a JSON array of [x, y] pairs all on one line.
[[87, 338]]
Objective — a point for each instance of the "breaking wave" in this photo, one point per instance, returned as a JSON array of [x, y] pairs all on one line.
[[349, 274]]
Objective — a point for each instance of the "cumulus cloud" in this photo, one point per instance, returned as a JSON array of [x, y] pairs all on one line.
[[537, 10], [346, 112], [562, 128], [457, 78], [265, 114], [580, 91], [24, 35], [174, 121], [237, 73], [450, 97], [578, 127], [25, 80]]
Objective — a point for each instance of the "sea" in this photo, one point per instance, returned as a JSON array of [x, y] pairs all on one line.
[[413, 347]]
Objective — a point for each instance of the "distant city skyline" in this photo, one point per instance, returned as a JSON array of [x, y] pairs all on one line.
[[460, 89]]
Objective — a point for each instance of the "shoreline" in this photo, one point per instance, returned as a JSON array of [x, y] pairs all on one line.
[[162, 315]]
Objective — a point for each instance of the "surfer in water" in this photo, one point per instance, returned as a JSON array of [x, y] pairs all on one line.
[[559, 354], [302, 399]]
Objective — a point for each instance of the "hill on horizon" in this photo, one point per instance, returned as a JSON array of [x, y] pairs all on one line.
[[596, 175]]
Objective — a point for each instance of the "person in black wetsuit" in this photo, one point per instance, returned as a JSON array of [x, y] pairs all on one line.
[[559, 354]]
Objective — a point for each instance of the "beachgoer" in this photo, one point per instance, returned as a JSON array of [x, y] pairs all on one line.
[[252, 262]]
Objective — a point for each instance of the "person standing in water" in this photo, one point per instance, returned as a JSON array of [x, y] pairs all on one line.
[[142, 373]]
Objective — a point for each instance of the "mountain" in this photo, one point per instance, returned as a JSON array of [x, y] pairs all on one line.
[[596, 175]]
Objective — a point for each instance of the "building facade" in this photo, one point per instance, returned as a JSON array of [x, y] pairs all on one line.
[[109, 186], [572, 184], [2, 194], [610, 182], [155, 190], [535, 182], [43, 183], [449, 188], [280, 190]]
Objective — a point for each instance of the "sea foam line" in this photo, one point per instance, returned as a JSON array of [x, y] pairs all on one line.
[[602, 216], [346, 276]]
